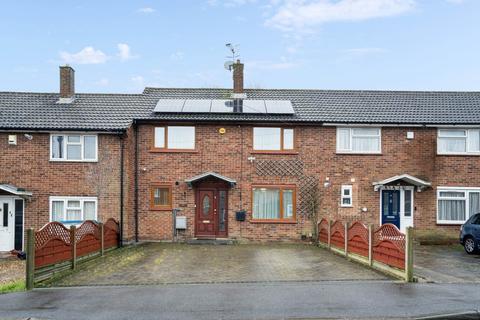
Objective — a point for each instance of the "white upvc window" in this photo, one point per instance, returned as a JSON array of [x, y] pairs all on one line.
[[174, 138], [458, 141], [74, 147], [359, 140], [346, 199], [273, 139], [73, 210], [456, 205]]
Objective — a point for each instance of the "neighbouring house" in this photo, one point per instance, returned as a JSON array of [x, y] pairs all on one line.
[[248, 164]]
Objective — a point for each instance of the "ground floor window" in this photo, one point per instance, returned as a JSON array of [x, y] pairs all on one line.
[[456, 205], [71, 210], [160, 197], [273, 202]]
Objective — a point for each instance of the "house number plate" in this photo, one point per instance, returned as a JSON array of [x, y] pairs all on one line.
[[206, 221]]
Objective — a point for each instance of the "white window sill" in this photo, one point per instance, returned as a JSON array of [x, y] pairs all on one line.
[[458, 153], [346, 206], [65, 160], [359, 152], [450, 222]]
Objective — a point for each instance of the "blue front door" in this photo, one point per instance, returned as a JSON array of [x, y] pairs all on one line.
[[391, 207]]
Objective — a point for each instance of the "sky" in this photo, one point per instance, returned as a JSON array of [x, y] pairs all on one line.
[[122, 46]]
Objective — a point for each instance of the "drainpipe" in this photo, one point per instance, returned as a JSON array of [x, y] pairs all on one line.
[[136, 180], [122, 147]]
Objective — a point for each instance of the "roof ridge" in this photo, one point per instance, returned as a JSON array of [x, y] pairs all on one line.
[[77, 93]]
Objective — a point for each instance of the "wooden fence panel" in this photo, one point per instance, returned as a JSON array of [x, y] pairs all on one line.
[[358, 239], [323, 231], [337, 238], [389, 246], [111, 234]]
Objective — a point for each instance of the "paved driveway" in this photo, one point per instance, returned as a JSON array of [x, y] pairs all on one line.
[[446, 264], [159, 263]]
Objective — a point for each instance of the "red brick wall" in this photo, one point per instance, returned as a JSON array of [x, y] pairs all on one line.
[[316, 151], [27, 165]]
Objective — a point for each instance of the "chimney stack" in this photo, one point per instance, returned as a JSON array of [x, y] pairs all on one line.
[[67, 84], [238, 77]]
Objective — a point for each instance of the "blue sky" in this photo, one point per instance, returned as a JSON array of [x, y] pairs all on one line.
[[122, 46]]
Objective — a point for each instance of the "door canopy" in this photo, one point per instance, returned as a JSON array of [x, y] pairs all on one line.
[[8, 189], [210, 176], [402, 180]]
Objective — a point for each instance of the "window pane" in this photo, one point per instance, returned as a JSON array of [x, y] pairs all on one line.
[[266, 138], [451, 210], [159, 138], [57, 147], [343, 139], [365, 131], [74, 139], [57, 210], [73, 204], [408, 203], [452, 133], [288, 139], [288, 204], [90, 147], [89, 210], [452, 144], [74, 152], [452, 194], [266, 203], [346, 201], [474, 141], [161, 197], [474, 204], [346, 192], [366, 144], [181, 137]]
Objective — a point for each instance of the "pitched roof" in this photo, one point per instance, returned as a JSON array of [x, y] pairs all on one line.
[[115, 112]]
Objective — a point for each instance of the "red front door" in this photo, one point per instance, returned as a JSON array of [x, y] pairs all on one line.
[[205, 216]]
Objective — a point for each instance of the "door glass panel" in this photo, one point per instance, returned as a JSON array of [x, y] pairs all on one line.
[[206, 205], [222, 210], [395, 203], [408, 203], [5, 214], [385, 202]]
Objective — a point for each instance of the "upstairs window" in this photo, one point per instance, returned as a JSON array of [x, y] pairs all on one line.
[[358, 140], [458, 141], [346, 196], [273, 139], [174, 138], [73, 147], [72, 210]]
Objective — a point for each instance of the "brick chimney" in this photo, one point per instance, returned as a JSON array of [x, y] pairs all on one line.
[[67, 84], [238, 77]]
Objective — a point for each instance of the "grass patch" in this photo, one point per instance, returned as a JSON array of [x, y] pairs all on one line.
[[14, 286]]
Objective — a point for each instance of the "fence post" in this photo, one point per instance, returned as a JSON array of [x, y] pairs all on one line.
[[102, 239], [329, 234], [409, 255], [30, 268], [370, 244], [346, 238], [73, 244]]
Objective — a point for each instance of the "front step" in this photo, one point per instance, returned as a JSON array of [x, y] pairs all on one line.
[[210, 241]]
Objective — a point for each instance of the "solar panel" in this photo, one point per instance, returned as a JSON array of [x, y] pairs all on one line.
[[197, 105], [279, 106], [169, 105], [254, 106], [222, 106]]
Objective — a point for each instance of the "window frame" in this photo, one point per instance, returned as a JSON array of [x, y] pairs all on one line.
[[280, 187], [343, 196], [466, 137], [152, 188], [466, 198], [65, 200], [165, 147], [351, 135], [66, 143], [282, 141]]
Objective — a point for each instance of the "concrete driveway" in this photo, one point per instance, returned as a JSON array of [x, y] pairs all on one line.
[[446, 264], [160, 263]]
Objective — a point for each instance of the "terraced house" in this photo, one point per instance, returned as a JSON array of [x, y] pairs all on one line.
[[247, 164]]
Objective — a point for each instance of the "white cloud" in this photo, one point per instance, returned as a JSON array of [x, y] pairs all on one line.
[[124, 52], [364, 51], [178, 55], [303, 15], [230, 3], [146, 10], [87, 55]]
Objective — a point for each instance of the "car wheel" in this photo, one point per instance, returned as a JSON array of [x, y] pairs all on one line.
[[469, 245]]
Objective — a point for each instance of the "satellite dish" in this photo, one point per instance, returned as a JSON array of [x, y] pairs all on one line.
[[228, 65]]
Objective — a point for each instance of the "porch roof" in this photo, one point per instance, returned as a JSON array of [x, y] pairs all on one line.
[[210, 174], [417, 182], [13, 190]]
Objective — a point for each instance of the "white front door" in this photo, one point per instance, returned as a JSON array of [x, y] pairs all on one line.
[[7, 224]]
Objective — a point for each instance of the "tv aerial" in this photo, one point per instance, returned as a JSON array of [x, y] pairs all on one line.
[[234, 50]]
